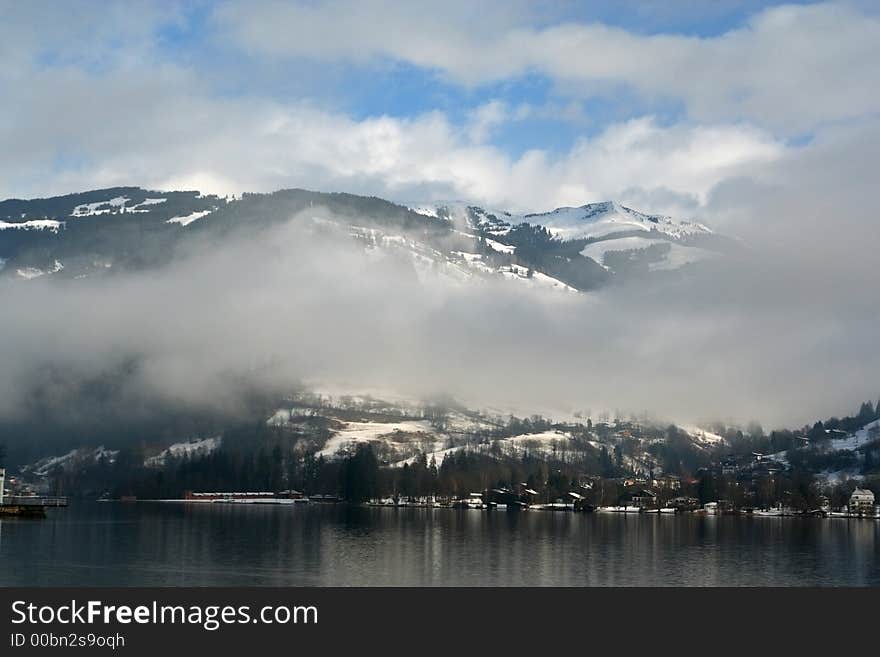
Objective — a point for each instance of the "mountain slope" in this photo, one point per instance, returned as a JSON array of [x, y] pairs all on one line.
[[638, 243], [127, 228]]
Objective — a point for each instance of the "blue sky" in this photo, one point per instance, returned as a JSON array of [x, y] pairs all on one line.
[[399, 89]]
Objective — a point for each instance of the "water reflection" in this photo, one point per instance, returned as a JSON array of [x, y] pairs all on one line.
[[204, 545]]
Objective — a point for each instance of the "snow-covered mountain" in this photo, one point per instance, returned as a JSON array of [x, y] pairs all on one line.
[[591, 221], [100, 232], [661, 242], [601, 220]]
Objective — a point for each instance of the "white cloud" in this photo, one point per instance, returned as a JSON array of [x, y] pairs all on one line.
[[485, 118], [75, 125], [87, 33], [165, 130], [790, 67], [140, 118]]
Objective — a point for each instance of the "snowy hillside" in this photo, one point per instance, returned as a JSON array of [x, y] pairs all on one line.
[[591, 221], [596, 220], [403, 431], [105, 232], [85, 456], [190, 449], [46, 466], [604, 227]]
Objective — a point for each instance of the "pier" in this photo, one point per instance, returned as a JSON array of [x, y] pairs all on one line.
[[29, 506], [23, 510]]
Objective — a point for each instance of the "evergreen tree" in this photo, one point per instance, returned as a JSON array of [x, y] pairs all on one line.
[[866, 413], [360, 475]]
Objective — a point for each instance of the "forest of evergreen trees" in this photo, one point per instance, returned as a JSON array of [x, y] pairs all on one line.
[[256, 456]]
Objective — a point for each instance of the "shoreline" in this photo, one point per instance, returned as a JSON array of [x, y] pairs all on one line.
[[558, 508]]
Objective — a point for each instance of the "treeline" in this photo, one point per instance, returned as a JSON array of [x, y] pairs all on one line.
[[754, 439], [255, 456], [265, 459], [636, 261]]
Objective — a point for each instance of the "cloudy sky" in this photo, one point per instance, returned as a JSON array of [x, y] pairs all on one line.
[[760, 119], [523, 104]]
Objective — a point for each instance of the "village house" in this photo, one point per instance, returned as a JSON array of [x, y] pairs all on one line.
[[643, 498], [861, 502], [668, 482]]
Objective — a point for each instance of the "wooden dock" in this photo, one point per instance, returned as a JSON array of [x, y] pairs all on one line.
[[23, 510]]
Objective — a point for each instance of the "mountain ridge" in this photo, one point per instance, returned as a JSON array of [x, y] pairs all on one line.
[[100, 231]]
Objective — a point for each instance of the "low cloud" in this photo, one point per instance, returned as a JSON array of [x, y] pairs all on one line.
[[784, 332]]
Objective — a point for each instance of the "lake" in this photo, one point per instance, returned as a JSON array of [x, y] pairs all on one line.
[[174, 544]]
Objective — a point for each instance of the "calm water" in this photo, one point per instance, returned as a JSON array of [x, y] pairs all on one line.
[[203, 545]]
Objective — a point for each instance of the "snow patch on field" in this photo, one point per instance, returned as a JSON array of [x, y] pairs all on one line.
[[869, 433], [44, 467], [543, 442], [392, 433], [498, 246], [92, 209], [537, 279], [573, 223], [597, 250], [677, 257], [33, 224], [147, 201], [194, 448], [703, 436], [188, 219], [457, 422], [468, 257], [425, 210]]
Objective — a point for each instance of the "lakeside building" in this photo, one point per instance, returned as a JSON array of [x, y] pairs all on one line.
[[862, 502], [668, 482], [643, 498], [241, 495], [2, 483]]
